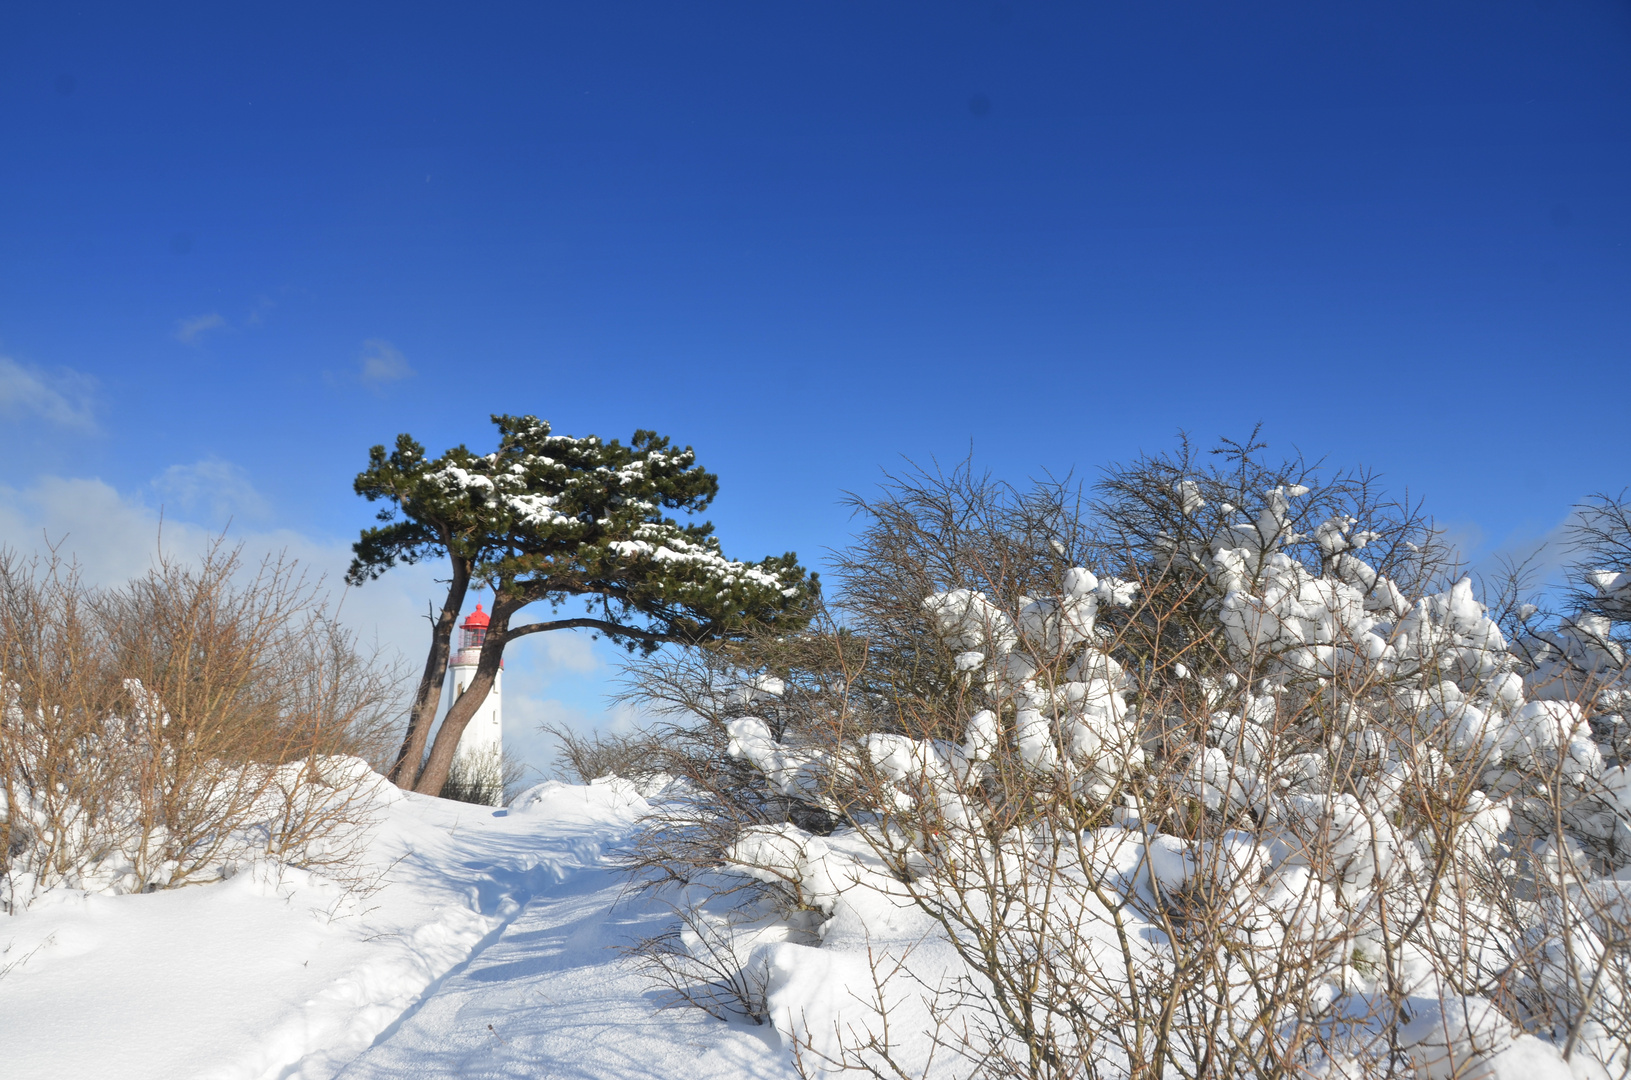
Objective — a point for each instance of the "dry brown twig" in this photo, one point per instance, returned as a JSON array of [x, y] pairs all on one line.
[[163, 732], [1064, 978]]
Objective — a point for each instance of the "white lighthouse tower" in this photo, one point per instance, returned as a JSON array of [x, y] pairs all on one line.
[[479, 758]]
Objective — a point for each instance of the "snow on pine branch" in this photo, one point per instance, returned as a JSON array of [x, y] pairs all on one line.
[[668, 546], [578, 485]]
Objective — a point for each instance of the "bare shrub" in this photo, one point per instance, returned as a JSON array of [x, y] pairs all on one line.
[[164, 732], [1275, 799], [1600, 539], [682, 857], [487, 779], [582, 757]]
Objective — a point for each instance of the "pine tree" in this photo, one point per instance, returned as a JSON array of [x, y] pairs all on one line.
[[424, 519], [557, 519]]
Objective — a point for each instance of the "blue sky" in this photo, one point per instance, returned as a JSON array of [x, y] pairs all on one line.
[[241, 243]]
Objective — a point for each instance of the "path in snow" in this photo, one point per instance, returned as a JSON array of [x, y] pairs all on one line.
[[490, 950], [548, 998], [546, 994]]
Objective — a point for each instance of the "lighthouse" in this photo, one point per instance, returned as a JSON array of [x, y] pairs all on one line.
[[479, 758]]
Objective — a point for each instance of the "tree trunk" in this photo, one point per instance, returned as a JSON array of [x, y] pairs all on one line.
[[465, 706], [405, 772]]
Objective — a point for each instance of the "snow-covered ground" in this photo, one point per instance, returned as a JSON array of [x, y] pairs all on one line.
[[477, 943]]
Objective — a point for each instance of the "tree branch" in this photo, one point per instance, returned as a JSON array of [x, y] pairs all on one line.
[[603, 625]]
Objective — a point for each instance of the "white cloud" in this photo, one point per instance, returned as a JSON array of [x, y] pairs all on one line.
[[62, 398], [191, 331], [570, 650], [113, 537], [86, 520], [1545, 553], [1465, 538], [257, 314], [381, 363], [216, 487]]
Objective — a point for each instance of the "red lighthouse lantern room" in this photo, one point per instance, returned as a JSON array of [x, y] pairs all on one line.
[[475, 629]]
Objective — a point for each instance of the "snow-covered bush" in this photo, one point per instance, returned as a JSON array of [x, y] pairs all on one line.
[[174, 729], [1229, 777]]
